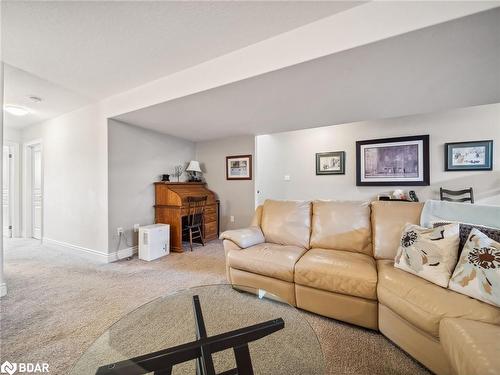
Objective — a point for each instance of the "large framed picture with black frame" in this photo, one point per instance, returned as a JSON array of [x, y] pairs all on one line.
[[402, 161], [468, 156]]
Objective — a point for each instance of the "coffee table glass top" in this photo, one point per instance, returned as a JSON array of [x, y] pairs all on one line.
[[169, 321]]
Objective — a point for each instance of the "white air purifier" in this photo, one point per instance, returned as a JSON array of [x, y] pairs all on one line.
[[154, 241]]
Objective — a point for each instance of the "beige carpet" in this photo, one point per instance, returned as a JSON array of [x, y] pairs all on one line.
[[59, 303]]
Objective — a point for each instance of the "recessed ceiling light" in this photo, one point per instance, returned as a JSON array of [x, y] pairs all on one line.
[[16, 110], [35, 99]]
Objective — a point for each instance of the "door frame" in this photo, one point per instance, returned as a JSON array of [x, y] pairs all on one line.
[[14, 202], [27, 187]]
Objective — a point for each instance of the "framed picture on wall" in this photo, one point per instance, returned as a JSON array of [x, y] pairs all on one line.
[[402, 161], [468, 156], [330, 163], [239, 167]]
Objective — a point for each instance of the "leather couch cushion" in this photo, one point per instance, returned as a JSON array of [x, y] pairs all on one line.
[[287, 222], [388, 221], [342, 225], [473, 348], [257, 217], [265, 286], [244, 237], [267, 259], [338, 271], [424, 304]]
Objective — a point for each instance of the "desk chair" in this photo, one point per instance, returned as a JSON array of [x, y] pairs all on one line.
[[196, 208], [468, 195]]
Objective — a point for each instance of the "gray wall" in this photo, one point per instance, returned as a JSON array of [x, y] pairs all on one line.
[[137, 158], [293, 154], [236, 197]]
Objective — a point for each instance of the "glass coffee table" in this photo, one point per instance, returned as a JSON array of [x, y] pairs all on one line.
[[289, 346]]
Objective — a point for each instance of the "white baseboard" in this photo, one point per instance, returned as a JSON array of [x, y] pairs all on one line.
[[121, 254], [3, 289], [91, 253]]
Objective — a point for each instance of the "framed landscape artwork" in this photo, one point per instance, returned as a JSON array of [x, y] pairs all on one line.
[[402, 161], [239, 167], [468, 156], [330, 163]]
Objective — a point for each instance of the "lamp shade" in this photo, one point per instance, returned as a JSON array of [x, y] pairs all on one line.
[[193, 166]]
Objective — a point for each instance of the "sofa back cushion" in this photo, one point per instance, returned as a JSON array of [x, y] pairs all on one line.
[[287, 222], [342, 225], [257, 217], [388, 221]]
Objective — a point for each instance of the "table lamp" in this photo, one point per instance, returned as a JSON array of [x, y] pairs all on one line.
[[193, 169]]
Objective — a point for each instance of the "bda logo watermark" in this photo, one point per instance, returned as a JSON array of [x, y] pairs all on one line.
[[8, 368], [30, 368]]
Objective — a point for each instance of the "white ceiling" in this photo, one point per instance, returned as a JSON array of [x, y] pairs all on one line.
[[453, 64], [77, 52], [56, 100], [97, 49]]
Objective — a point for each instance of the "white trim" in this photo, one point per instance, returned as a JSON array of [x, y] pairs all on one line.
[[256, 187], [3, 289], [27, 176], [10, 180], [122, 254], [91, 253], [15, 188]]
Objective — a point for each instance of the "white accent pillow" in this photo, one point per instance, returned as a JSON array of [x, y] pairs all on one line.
[[478, 271], [430, 253]]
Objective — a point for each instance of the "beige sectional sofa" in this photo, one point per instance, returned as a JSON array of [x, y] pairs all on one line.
[[335, 258]]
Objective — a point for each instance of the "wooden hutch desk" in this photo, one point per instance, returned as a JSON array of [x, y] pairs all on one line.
[[171, 207]]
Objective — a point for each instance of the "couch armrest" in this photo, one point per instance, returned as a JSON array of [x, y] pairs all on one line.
[[472, 347], [229, 246], [244, 237]]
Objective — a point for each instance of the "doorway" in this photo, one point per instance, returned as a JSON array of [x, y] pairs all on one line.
[[33, 183]]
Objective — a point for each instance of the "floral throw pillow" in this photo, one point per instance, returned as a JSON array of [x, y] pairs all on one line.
[[429, 253], [478, 271]]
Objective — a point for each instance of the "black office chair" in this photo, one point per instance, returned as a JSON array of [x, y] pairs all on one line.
[[467, 195], [196, 210]]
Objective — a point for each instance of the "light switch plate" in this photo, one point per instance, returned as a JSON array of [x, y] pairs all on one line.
[[287, 177]]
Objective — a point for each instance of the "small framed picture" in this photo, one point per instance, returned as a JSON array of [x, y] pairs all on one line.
[[330, 163], [402, 161], [468, 156], [239, 167]]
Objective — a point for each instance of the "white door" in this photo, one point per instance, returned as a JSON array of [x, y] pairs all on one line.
[[36, 191], [7, 225]]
